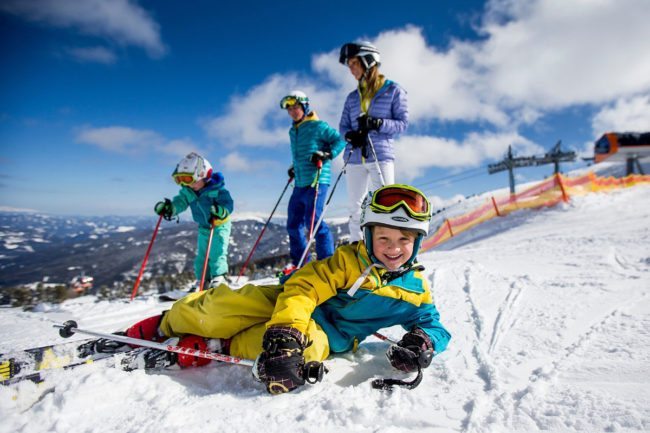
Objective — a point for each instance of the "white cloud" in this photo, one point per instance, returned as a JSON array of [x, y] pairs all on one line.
[[235, 162], [554, 53], [121, 21], [256, 119], [180, 147], [626, 114], [253, 119], [93, 54], [415, 154], [534, 57], [122, 139], [119, 138]]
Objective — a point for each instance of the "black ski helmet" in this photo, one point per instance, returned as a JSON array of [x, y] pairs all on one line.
[[367, 53]]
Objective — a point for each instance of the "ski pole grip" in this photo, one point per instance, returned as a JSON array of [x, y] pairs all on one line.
[[68, 328]]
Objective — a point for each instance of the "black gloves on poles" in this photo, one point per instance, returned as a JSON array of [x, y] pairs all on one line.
[[165, 208], [368, 123], [413, 351], [357, 139], [320, 155]]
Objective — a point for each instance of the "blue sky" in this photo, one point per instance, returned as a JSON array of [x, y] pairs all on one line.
[[101, 98]]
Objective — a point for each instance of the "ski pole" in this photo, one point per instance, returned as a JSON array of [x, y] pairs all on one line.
[[69, 328], [384, 338], [374, 154], [207, 256], [322, 215], [313, 217], [146, 257], [313, 213], [241, 272], [387, 384]]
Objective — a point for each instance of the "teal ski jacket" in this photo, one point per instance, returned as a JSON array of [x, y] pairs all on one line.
[[308, 136]]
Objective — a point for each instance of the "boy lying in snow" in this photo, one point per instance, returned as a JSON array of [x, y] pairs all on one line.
[[327, 306]]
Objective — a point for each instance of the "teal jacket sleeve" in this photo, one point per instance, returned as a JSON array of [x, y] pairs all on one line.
[[183, 200], [222, 198], [333, 140], [429, 320]]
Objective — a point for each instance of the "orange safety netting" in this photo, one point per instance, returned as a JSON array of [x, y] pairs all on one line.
[[548, 192]]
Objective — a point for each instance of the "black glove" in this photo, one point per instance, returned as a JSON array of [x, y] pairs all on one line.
[[368, 123], [281, 367], [165, 208], [413, 352], [320, 155], [357, 139], [291, 172]]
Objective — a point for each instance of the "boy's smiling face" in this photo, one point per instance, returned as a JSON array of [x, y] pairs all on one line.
[[392, 247]]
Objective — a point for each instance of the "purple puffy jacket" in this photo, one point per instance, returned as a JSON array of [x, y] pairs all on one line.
[[388, 104]]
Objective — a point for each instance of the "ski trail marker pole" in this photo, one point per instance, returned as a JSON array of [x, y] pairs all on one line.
[[322, 215], [69, 328], [207, 256], [146, 257], [241, 272]]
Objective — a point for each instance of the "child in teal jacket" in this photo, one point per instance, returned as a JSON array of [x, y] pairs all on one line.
[[211, 204]]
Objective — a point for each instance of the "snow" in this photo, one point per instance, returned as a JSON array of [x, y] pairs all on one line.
[[549, 313], [124, 229]]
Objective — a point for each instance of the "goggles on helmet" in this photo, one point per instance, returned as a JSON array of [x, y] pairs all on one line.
[[185, 179], [288, 101], [389, 198]]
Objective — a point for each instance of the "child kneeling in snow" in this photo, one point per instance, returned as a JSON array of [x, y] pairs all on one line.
[[327, 306]]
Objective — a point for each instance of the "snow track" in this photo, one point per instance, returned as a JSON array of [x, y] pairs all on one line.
[[549, 312]]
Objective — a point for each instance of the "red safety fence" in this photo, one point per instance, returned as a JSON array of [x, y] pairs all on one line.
[[549, 192]]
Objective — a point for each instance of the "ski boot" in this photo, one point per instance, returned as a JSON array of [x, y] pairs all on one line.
[[102, 345], [156, 359]]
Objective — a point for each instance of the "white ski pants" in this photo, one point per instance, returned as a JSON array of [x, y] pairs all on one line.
[[360, 179]]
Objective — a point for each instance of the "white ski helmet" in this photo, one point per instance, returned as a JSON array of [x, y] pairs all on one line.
[[192, 168], [367, 53], [296, 96], [397, 206]]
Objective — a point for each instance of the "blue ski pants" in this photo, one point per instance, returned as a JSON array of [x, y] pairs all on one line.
[[301, 207]]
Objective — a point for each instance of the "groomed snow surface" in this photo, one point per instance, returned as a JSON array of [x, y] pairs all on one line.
[[549, 313]]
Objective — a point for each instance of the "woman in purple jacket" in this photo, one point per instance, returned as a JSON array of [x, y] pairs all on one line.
[[372, 115]]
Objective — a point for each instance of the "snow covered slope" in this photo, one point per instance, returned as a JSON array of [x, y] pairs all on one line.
[[550, 317]]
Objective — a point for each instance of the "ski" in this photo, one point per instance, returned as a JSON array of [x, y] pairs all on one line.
[[38, 358], [39, 376], [29, 362]]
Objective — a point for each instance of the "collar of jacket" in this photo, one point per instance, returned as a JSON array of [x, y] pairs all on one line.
[[308, 118]]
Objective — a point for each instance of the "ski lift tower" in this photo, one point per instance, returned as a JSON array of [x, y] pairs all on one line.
[[554, 156]]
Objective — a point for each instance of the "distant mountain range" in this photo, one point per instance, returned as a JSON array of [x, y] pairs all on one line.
[[37, 247]]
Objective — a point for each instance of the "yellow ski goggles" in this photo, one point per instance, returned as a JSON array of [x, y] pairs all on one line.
[[388, 198], [288, 101], [185, 179]]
